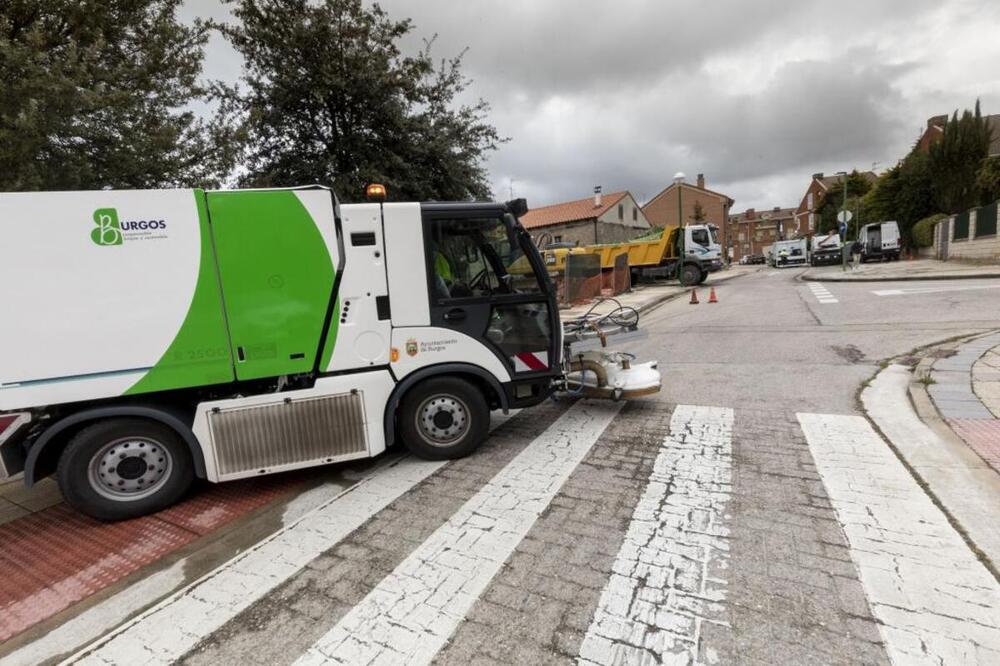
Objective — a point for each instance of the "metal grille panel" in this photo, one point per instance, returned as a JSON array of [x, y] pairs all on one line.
[[288, 433]]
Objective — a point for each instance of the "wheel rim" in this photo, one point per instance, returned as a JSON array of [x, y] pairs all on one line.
[[130, 468], [442, 420]]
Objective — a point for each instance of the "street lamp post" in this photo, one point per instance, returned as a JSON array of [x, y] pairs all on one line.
[[679, 180], [844, 251]]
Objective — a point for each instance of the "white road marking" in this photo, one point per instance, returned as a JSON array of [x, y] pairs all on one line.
[[410, 615], [105, 616], [821, 293], [932, 290], [661, 588], [936, 603], [166, 632], [98, 619]]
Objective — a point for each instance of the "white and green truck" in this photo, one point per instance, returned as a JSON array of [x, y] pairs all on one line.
[[151, 337]]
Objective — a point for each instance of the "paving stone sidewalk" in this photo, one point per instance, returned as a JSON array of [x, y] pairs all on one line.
[[917, 269], [966, 391]]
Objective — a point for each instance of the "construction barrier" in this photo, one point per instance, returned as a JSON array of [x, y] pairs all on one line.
[[582, 279]]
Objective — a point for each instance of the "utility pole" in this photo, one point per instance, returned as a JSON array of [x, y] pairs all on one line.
[[679, 181]]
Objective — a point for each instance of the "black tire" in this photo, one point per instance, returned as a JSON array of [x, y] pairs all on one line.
[[146, 452], [690, 275], [443, 418], [704, 276]]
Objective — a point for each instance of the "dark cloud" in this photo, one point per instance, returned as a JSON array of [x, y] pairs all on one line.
[[755, 94]]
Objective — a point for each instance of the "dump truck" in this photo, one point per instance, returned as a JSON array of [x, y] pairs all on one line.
[[656, 255], [154, 337]]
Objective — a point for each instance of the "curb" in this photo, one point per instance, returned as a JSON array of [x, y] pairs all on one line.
[[805, 277], [951, 474], [660, 300]]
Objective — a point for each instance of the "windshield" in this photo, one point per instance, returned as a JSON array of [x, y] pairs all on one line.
[[715, 235], [476, 257]]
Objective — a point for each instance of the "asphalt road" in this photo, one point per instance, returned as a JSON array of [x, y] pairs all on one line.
[[746, 514], [770, 342]]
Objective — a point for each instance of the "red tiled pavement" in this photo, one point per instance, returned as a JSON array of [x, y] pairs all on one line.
[[983, 435], [56, 557]]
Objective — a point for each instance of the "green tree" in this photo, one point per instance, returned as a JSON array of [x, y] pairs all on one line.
[[857, 186], [988, 180], [902, 193], [98, 94], [698, 214], [956, 158], [328, 97]]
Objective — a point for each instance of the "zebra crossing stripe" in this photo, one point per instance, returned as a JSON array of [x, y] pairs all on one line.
[[410, 615], [662, 587], [821, 293], [935, 602], [166, 632]]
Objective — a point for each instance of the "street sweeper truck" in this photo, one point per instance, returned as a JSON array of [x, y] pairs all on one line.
[[151, 337]]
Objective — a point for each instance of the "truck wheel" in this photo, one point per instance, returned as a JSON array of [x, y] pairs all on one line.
[[690, 275], [123, 468], [444, 418]]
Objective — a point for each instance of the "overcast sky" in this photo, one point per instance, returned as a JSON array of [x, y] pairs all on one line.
[[755, 94]]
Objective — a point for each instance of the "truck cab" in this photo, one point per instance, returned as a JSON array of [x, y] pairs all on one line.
[[826, 250]]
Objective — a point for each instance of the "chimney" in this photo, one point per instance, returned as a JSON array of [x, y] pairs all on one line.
[[597, 196], [818, 176], [776, 209], [751, 213], [701, 181]]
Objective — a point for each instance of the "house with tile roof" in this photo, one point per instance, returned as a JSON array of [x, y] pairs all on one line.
[[807, 213], [603, 218], [662, 210], [935, 132], [753, 231]]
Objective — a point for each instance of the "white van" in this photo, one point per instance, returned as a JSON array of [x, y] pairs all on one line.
[[880, 241]]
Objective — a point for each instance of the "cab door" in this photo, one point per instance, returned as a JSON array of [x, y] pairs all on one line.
[[485, 282]]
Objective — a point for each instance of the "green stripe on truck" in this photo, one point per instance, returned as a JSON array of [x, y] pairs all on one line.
[[277, 276], [199, 354]]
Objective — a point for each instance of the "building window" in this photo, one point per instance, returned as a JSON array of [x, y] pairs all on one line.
[[621, 212], [557, 239], [635, 214], [809, 199], [812, 224]]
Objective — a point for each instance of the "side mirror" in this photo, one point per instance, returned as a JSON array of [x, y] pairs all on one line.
[[518, 207]]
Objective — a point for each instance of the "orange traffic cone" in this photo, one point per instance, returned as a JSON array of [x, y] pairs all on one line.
[[711, 296], [694, 297]]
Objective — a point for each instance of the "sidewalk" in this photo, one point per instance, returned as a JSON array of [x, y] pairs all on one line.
[[936, 421], [965, 388], [918, 269], [645, 297]]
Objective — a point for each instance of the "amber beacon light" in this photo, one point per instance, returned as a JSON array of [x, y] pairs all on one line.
[[375, 191]]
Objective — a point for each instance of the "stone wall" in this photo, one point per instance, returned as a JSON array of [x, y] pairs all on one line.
[[583, 233], [977, 248]]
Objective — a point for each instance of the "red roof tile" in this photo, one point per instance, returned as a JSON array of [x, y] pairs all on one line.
[[571, 211]]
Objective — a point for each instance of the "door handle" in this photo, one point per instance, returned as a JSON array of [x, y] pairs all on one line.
[[455, 314]]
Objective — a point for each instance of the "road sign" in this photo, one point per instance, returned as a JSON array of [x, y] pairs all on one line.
[[844, 216]]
